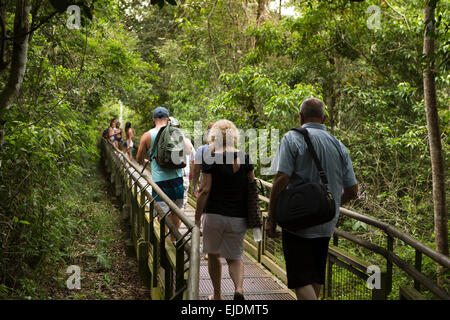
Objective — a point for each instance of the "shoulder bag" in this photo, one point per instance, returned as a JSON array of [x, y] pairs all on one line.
[[308, 204]]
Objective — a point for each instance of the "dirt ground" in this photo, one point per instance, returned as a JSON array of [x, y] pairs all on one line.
[[106, 271]]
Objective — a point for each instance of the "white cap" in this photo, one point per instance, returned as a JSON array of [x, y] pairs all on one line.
[[174, 122]]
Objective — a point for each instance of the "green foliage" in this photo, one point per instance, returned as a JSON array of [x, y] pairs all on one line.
[[50, 140]]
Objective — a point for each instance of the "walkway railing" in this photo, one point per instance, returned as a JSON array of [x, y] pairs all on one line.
[[170, 271], [347, 274]]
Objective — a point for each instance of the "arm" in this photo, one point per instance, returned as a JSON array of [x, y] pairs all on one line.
[[195, 177], [251, 176], [349, 193], [191, 170], [130, 136], [280, 183], [203, 197], [144, 146]]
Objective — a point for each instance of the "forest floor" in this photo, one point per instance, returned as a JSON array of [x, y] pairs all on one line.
[[106, 271]]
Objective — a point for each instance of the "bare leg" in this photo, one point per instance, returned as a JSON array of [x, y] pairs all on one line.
[[306, 293], [177, 222], [236, 270], [317, 288], [215, 272]]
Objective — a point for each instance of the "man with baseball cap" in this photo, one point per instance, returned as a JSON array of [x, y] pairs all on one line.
[[169, 180]]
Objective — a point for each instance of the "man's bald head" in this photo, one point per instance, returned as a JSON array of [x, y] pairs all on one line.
[[312, 110]]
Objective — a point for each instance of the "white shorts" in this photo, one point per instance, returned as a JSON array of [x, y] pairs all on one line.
[[165, 208], [223, 235], [186, 189]]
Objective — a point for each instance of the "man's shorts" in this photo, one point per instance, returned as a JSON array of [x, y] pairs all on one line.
[[174, 189], [223, 235], [305, 259]]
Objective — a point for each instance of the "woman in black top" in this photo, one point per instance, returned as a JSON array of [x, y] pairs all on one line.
[[223, 203]]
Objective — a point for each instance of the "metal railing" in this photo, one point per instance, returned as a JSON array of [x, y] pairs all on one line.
[[346, 273], [171, 271]]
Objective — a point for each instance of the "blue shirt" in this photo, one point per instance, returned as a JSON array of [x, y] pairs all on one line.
[[293, 157], [158, 173]]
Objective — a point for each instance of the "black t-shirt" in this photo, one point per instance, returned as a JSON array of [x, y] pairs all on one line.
[[228, 194]]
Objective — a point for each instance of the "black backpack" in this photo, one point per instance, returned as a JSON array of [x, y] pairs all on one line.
[[106, 134], [307, 204]]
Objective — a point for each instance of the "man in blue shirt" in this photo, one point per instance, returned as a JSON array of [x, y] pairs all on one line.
[[306, 250]]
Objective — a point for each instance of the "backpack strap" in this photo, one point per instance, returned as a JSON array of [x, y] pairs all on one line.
[[155, 143], [313, 153]]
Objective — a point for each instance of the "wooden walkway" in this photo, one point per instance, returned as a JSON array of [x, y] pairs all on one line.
[[259, 283]]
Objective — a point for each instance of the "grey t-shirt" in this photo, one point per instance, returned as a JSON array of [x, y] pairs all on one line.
[[293, 157]]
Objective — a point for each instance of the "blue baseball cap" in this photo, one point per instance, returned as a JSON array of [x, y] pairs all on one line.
[[160, 112]]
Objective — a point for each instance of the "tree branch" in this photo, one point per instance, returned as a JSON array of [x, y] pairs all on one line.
[[211, 13], [407, 26]]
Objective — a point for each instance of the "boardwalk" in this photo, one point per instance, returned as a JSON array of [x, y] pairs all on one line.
[[259, 284]]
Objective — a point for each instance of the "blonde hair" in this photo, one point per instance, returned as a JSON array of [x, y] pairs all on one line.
[[223, 134]]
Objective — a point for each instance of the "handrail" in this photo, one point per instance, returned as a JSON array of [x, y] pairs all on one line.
[[436, 256], [430, 285], [387, 253], [194, 247], [173, 207]]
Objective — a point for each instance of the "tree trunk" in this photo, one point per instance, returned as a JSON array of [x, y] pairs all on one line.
[[3, 63], [19, 58], [434, 135], [262, 10], [19, 54]]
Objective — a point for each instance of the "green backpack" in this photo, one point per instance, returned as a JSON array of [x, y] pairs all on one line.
[[170, 148]]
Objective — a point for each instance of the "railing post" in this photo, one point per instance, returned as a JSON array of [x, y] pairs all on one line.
[[165, 264], [142, 245], [329, 283], [390, 248], [263, 240], [418, 266], [194, 265], [155, 253], [118, 181], [179, 268]]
